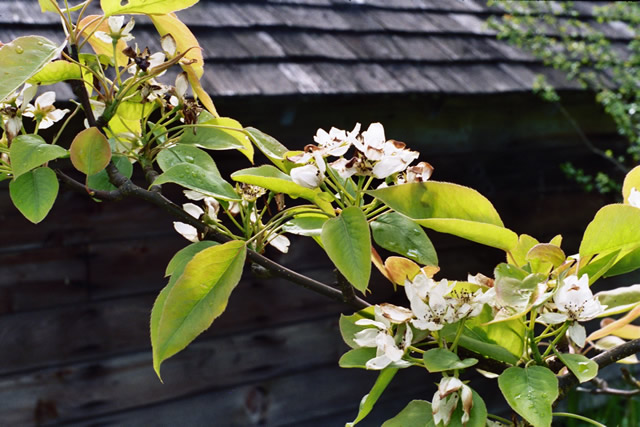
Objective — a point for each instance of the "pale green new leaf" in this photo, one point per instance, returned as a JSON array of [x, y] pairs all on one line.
[[183, 256], [198, 297], [530, 392], [347, 241], [399, 234], [369, 400], [90, 151], [614, 227], [30, 151], [305, 225], [198, 179], [181, 153], [212, 134], [626, 264], [619, 300], [440, 360], [21, 59], [582, 367], [449, 208], [34, 193], [149, 7]]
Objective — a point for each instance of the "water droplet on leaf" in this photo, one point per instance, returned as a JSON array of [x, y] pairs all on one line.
[[19, 49]]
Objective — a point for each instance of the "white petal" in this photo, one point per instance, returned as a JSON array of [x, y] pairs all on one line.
[[395, 314], [187, 231], [374, 135], [578, 334], [552, 318], [193, 210], [378, 363], [193, 195], [281, 243], [387, 344], [102, 36], [370, 322], [45, 100], [156, 59], [13, 126], [28, 92], [366, 337], [168, 44], [115, 23], [56, 115], [182, 84], [634, 198], [345, 168], [388, 166], [127, 29], [308, 176]]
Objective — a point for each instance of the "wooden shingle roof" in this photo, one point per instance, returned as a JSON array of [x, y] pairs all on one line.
[[288, 47]]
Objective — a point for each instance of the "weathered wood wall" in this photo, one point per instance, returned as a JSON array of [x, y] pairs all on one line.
[[76, 290]]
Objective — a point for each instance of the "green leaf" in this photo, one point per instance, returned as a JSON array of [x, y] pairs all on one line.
[[357, 357], [518, 254], [530, 392], [619, 300], [269, 146], [198, 297], [514, 286], [305, 225], [47, 6], [399, 234], [630, 181], [348, 327], [195, 178], [34, 193], [440, 360], [21, 59], [56, 72], [149, 7], [100, 181], [347, 241], [614, 227], [210, 136], [626, 264], [369, 400], [599, 265], [181, 153], [582, 367], [449, 208], [183, 256], [30, 151], [90, 151], [416, 414], [271, 178]]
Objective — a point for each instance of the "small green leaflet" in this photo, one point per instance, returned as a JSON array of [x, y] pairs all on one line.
[[440, 360]]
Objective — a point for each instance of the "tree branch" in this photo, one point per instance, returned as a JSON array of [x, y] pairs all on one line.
[[568, 381], [78, 186]]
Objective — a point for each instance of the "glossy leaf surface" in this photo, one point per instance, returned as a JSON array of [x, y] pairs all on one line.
[[530, 392], [34, 193], [30, 151]]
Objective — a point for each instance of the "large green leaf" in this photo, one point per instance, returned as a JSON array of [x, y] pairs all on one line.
[[21, 59], [181, 153], [416, 414], [183, 256], [34, 193], [369, 400], [399, 234], [440, 360], [530, 392], [614, 227], [582, 367], [626, 264], [30, 151], [269, 146], [198, 297], [449, 208], [100, 181], [56, 72], [198, 179], [213, 135], [347, 241], [271, 178], [149, 7], [90, 151]]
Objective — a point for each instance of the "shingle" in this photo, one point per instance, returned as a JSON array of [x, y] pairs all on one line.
[[405, 21], [420, 48], [412, 78], [372, 78], [259, 44]]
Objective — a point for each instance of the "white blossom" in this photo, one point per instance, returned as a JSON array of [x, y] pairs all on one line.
[[44, 111], [187, 231], [445, 401], [13, 108], [116, 31], [309, 176], [381, 335], [573, 301], [336, 142], [427, 299]]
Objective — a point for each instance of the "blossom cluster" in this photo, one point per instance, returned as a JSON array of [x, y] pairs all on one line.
[[18, 105], [374, 156]]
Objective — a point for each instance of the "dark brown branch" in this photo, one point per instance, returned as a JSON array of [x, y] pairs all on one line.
[[78, 186], [568, 381], [602, 387]]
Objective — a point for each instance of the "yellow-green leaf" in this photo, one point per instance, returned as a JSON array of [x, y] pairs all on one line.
[[149, 7], [196, 299], [185, 40], [615, 227], [92, 23], [56, 72]]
